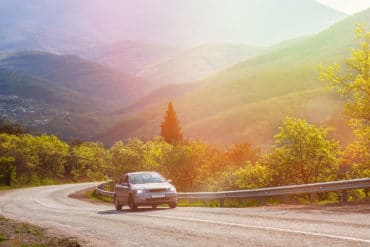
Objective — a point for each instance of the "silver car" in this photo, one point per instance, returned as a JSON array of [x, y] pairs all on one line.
[[144, 188]]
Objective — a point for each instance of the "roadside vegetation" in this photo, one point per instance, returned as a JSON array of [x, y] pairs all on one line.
[[301, 153]]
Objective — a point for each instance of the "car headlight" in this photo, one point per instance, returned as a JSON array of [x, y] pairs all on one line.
[[139, 191], [171, 189]]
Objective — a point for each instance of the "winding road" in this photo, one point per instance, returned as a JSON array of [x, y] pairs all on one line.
[[100, 225]]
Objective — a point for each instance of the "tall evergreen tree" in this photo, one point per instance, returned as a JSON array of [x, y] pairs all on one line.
[[170, 128]]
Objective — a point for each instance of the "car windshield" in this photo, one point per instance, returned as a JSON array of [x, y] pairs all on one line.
[[145, 178]]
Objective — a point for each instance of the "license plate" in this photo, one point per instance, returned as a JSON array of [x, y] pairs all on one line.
[[158, 196]]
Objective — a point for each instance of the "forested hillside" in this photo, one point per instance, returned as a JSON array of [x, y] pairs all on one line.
[[251, 99]]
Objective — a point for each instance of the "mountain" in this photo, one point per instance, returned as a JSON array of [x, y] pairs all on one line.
[[128, 56], [43, 107], [165, 65], [64, 25], [248, 101], [197, 63], [82, 76]]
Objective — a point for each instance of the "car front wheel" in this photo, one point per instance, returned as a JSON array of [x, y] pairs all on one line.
[[116, 204], [131, 203], [172, 205]]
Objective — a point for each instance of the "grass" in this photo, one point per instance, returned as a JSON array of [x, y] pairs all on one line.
[[95, 196]]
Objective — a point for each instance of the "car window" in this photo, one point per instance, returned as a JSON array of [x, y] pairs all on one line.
[[123, 179], [144, 178]]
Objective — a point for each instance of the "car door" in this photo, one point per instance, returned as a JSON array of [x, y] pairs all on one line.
[[122, 189], [125, 189]]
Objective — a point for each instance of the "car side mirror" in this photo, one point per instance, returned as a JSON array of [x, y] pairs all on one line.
[[169, 180]]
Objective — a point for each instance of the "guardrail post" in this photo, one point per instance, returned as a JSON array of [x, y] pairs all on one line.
[[222, 202], [239, 201], [262, 200], [344, 196], [313, 197], [366, 192], [190, 201]]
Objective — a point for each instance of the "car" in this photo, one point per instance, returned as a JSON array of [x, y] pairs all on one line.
[[144, 189]]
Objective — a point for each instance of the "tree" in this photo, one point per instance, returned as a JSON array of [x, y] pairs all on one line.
[[303, 153], [170, 129], [253, 176], [10, 128], [353, 82], [7, 171], [238, 154]]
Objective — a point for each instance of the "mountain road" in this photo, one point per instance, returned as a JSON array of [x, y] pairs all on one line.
[[101, 225]]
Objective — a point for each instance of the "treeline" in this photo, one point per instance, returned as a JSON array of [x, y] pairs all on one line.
[[302, 153]]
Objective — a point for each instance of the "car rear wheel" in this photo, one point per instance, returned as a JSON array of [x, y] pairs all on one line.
[[172, 205], [154, 206], [131, 203], [116, 204]]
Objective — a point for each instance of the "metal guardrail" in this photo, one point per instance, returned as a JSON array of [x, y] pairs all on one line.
[[311, 189]]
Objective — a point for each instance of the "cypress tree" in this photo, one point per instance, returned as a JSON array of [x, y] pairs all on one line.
[[170, 128]]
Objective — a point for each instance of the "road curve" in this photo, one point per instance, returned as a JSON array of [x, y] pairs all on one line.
[[100, 225]]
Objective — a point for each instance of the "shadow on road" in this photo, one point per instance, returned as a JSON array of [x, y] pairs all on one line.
[[127, 211]]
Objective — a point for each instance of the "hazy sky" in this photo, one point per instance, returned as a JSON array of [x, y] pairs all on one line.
[[347, 6]]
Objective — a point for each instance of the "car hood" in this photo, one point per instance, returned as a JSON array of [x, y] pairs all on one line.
[[150, 186]]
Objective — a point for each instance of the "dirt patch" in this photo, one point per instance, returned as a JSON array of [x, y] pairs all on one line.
[[86, 195], [17, 234]]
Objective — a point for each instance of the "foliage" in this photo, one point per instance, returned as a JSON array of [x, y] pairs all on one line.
[[170, 128], [7, 171], [303, 153], [353, 82], [89, 160], [10, 128], [253, 175]]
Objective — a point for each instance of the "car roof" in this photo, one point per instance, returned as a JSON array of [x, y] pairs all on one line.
[[132, 173]]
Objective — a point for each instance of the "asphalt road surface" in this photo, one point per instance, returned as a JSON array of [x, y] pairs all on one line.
[[100, 225]]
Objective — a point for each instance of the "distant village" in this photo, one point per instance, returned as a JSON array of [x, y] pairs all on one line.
[[19, 109]]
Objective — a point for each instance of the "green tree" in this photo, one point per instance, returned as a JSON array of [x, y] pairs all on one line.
[[253, 176], [353, 82], [10, 128], [170, 128], [303, 153], [238, 154], [91, 161], [7, 171], [127, 157]]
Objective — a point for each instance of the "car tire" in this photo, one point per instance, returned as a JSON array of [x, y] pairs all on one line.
[[154, 206], [131, 203], [116, 204], [172, 204]]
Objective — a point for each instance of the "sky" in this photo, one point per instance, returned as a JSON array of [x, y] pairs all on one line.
[[347, 6]]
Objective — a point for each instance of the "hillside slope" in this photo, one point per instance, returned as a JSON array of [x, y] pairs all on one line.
[[82, 76], [197, 63], [248, 101], [42, 107]]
